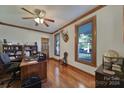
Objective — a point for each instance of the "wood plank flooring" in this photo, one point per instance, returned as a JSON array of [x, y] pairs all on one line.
[[64, 76], [60, 76]]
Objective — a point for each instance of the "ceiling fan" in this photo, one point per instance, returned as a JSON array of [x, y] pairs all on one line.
[[38, 16]]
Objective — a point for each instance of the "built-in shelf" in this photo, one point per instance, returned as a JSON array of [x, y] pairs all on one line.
[[18, 51]]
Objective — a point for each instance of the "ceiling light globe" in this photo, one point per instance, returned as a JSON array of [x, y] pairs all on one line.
[[41, 21], [37, 20]]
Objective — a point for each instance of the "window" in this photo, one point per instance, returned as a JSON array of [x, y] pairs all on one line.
[[85, 42], [57, 45]]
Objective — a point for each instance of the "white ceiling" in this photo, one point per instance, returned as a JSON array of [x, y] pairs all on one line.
[[62, 14]]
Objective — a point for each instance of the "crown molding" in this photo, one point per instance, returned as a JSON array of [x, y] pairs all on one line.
[[22, 27], [80, 17]]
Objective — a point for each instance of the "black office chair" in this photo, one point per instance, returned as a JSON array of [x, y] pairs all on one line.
[[6, 66]]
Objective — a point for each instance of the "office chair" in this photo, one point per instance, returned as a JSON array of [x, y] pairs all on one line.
[[6, 66]]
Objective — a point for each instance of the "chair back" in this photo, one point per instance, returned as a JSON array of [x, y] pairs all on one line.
[[4, 62], [1, 66], [4, 58]]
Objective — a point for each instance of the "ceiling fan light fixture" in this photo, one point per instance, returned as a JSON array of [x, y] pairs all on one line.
[[43, 13], [37, 20], [38, 17], [41, 21]]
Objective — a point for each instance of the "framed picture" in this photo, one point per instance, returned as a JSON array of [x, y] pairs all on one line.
[[85, 42], [65, 36]]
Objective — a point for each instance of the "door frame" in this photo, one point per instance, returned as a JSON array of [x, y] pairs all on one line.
[[48, 45]]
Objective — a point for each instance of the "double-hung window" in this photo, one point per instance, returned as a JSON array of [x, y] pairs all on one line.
[[57, 44], [85, 42]]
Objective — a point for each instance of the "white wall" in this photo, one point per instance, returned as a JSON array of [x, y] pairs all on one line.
[[109, 36], [51, 46], [17, 35]]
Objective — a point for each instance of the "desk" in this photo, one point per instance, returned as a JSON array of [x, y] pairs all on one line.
[[33, 68], [104, 80]]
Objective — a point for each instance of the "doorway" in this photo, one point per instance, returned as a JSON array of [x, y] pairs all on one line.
[[45, 46]]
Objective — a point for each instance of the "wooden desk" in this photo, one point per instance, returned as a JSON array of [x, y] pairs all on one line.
[[104, 80], [34, 68]]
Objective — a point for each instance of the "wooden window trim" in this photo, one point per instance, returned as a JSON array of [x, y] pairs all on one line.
[[55, 43], [93, 20]]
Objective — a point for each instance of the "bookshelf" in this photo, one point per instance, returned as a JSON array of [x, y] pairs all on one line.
[[30, 50], [15, 52]]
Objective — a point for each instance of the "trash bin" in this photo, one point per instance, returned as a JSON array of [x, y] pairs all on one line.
[[31, 82]]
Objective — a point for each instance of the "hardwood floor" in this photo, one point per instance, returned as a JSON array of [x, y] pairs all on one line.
[[60, 76]]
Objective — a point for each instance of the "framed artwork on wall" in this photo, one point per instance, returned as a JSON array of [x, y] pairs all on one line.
[[85, 42], [65, 36]]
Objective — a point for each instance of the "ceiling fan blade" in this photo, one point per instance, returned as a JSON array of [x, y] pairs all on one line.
[[27, 17], [46, 24], [27, 11], [49, 20]]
